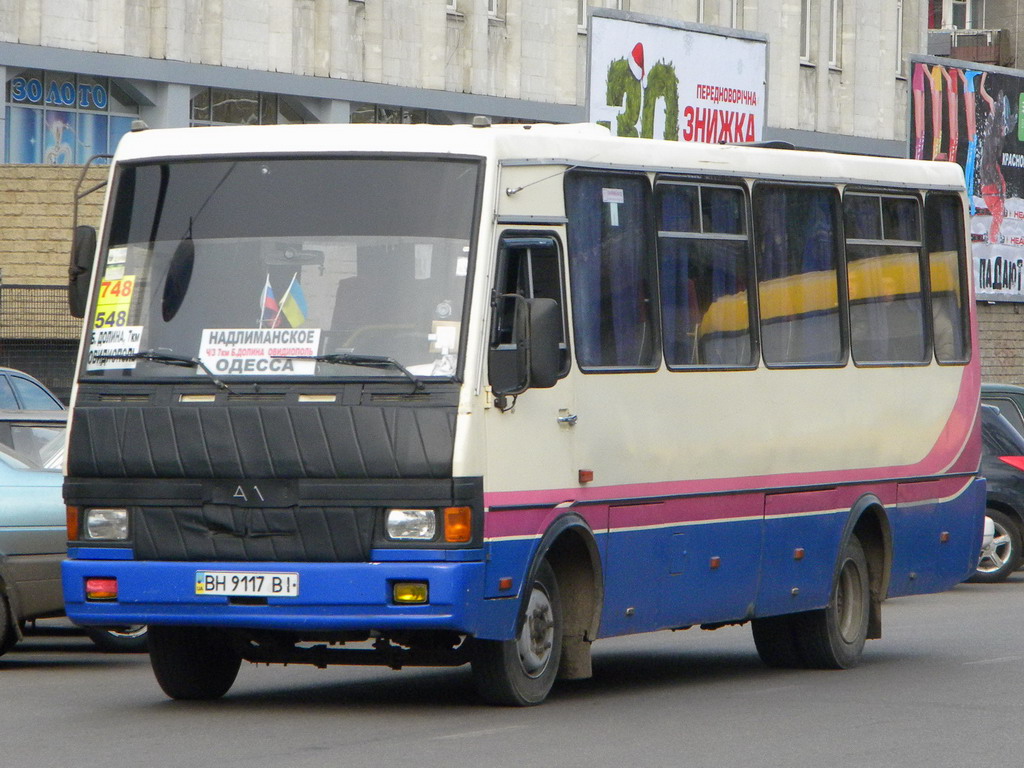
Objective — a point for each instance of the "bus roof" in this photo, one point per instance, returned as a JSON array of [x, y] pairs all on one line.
[[578, 145]]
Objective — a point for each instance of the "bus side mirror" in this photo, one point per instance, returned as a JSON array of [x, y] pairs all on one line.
[[545, 334], [530, 358], [83, 253]]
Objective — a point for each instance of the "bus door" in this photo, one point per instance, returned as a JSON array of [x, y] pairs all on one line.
[[529, 435]]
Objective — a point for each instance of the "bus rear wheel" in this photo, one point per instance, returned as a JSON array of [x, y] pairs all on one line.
[[192, 663], [520, 672], [829, 638]]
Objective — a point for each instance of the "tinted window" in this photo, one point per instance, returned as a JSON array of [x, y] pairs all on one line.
[[997, 436], [944, 237], [33, 396], [611, 267], [704, 275], [7, 399], [1008, 409], [883, 253], [798, 287]]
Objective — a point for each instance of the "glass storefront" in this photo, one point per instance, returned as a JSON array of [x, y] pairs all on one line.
[[220, 106], [59, 118]]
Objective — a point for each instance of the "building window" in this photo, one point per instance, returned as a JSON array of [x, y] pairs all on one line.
[[835, 44], [581, 15], [899, 37], [59, 118], [218, 106], [805, 30]]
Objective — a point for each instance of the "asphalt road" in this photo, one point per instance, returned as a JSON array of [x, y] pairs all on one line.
[[943, 687]]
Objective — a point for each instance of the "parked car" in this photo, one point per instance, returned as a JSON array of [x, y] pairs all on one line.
[[1009, 399], [21, 392], [1002, 464], [33, 533]]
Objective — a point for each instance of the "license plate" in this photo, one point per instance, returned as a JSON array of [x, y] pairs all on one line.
[[247, 584]]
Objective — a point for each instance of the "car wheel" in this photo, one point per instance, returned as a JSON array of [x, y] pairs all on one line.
[[192, 663], [8, 631], [520, 672], [1002, 557], [132, 639]]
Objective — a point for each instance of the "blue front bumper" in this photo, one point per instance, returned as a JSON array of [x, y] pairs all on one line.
[[332, 597]]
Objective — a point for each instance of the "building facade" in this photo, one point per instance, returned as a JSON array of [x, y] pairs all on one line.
[[78, 72]]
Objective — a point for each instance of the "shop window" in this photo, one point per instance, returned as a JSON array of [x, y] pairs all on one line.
[[221, 106], [59, 118]]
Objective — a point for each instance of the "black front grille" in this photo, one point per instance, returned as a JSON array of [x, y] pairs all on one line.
[[249, 534]]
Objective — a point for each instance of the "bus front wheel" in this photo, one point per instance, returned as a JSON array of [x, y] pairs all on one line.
[[520, 672], [192, 663]]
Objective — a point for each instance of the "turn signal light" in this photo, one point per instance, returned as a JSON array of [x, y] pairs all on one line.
[[100, 589], [72, 518], [458, 526]]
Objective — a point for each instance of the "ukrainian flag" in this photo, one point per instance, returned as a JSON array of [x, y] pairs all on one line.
[[293, 306]]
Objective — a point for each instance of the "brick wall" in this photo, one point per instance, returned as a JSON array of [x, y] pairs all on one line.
[[35, 220], [1001, 337]]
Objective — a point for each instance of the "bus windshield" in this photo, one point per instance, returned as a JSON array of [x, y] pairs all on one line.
[[250, 267]]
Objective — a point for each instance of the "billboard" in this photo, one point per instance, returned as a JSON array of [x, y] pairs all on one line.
[[681, 83], [973, 116]]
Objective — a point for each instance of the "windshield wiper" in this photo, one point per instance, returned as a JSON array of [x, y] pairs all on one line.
[[367, 361], [167, 357]]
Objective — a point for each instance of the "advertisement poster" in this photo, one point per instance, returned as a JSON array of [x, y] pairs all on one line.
[[973, 117], [653, 81]]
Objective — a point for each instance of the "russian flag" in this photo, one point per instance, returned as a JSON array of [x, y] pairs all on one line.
[[269, 311]]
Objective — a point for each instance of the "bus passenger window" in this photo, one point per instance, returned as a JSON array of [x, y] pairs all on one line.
[[944, 237], [883, 256], [704, 266], [798, 288], [612, 271], [528, 265]]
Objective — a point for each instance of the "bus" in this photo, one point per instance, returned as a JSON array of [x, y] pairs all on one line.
[[486, 394]]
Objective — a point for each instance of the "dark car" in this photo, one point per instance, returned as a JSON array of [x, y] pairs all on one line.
[[1009, 399], [1002, 464]]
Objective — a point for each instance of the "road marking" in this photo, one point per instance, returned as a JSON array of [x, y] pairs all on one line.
[[474, 734], [1000, 660]]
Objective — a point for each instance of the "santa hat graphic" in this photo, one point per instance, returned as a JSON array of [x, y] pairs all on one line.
[[636, 61]]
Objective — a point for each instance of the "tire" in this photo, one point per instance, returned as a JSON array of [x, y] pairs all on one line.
[[834, 637], [132, 639], [8, 630], [520, 672], [1003, 556], [192, 663], [830, 638], [776, 643]]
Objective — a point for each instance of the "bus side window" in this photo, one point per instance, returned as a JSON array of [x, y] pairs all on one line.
[[705, 272], [947, 273], [529, 265], [883, 257], [798, 251], [612, 269]]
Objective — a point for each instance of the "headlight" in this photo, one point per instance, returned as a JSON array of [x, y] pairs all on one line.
[[106, 524], [411, 524]]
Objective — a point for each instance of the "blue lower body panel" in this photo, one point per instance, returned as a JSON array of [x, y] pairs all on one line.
[[331, 597]]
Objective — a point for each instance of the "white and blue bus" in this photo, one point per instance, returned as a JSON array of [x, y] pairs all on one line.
[[422, 395]]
